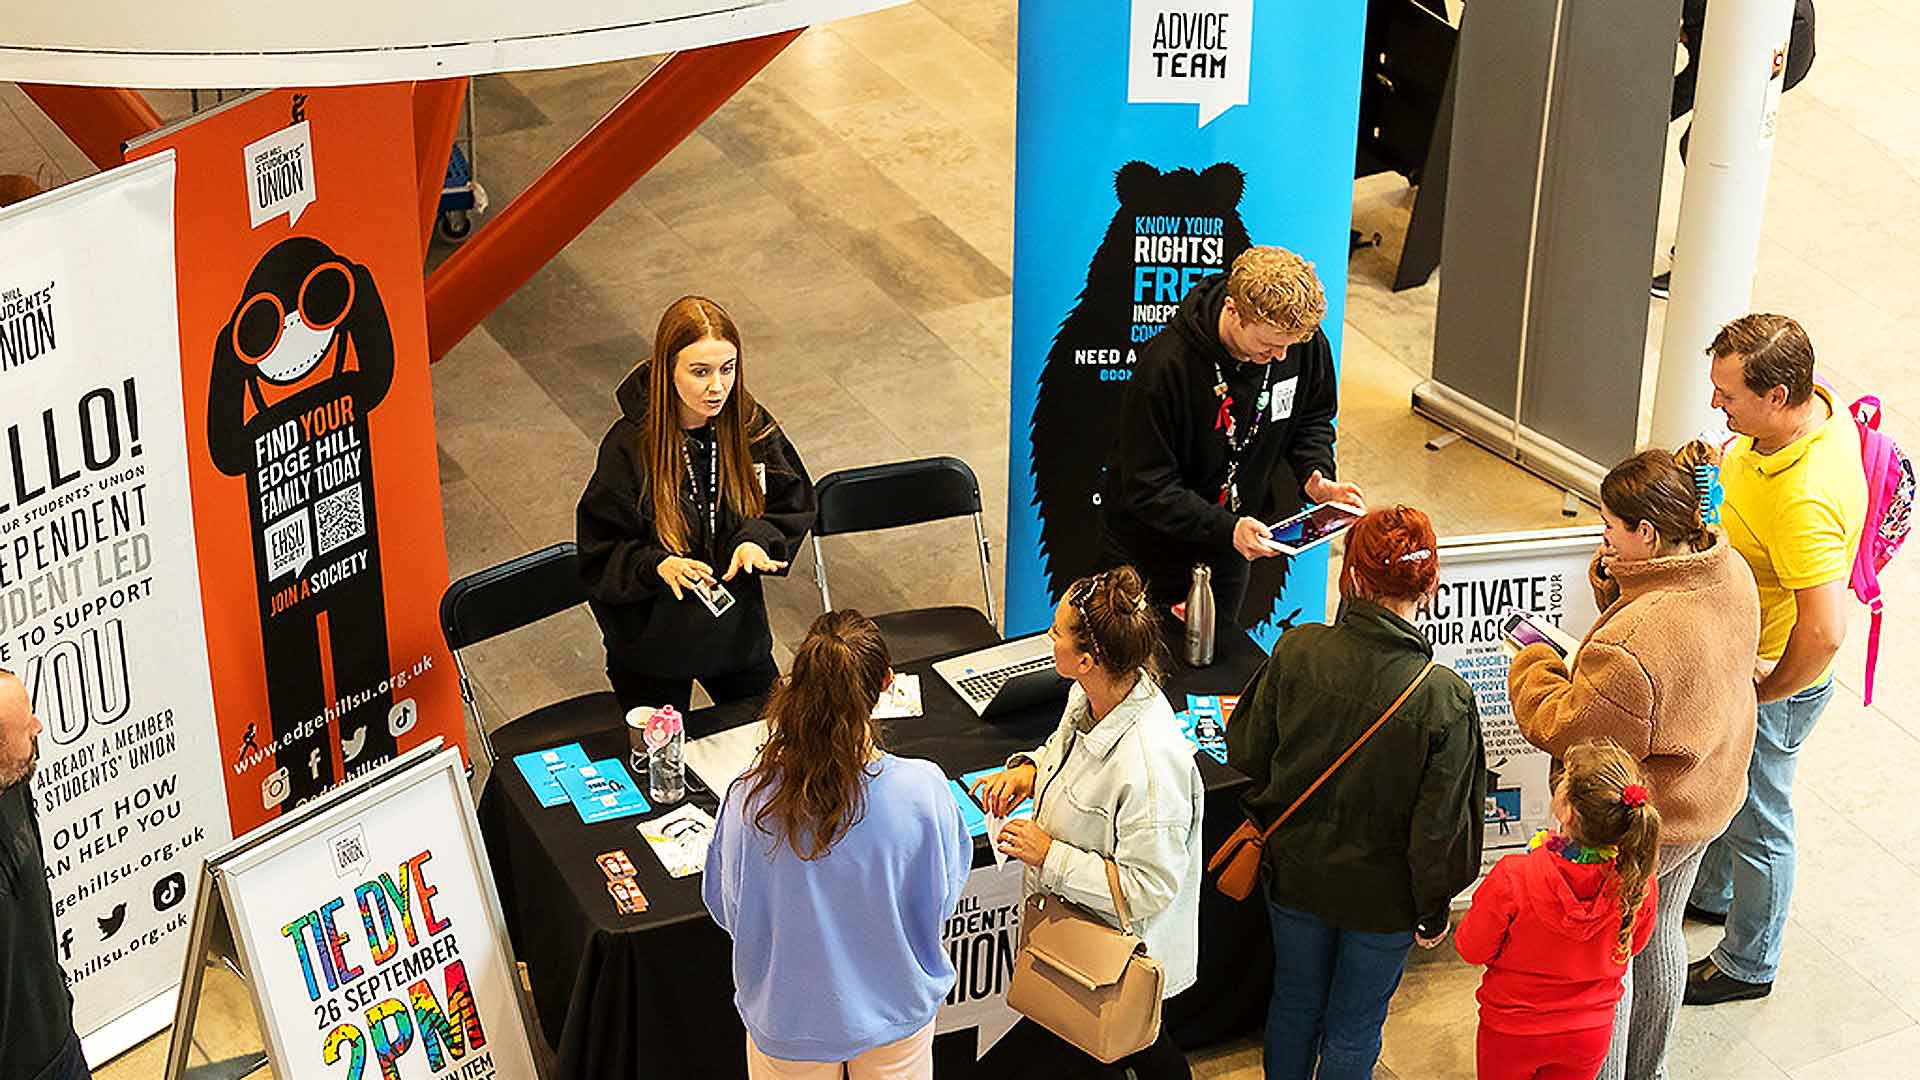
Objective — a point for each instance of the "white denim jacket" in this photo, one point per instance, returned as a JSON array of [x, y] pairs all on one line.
[[1128, 789]]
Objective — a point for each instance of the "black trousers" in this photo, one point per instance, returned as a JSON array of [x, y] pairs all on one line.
[[1161, 1061], [634, 689]]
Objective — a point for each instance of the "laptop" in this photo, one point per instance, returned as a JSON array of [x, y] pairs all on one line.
[[1005, 678]]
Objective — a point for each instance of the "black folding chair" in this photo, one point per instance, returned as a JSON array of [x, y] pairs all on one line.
[[909, 493], [516, 593]]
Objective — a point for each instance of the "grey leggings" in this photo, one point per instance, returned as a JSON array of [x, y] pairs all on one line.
[[1657, 978]]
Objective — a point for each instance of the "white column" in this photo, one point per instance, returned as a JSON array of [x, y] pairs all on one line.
[[1736, 109]]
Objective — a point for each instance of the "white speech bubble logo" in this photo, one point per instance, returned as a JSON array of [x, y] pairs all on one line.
[[289, 546], [280, 174], [1190, 52]]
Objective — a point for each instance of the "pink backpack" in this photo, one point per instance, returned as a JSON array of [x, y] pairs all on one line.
[[1890, 493]]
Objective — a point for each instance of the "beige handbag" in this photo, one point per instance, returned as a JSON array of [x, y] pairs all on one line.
[[1086, 982]]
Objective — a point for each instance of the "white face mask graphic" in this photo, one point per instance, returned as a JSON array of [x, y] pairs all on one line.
[[298, 351]]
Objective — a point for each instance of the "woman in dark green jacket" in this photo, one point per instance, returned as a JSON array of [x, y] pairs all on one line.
[[1370, 864]]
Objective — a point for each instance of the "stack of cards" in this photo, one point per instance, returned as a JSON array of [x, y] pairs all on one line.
[[1204, 722], [627, 897]]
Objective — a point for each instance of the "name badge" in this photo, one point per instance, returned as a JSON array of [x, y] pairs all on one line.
[[760, 474], [1283, 393]]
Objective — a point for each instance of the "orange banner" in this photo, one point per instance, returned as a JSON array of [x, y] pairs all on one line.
[[316, 495]]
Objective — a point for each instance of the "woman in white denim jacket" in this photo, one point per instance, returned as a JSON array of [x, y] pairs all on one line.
[[1117, 780]]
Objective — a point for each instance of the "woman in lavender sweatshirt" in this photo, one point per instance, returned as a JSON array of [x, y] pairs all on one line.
[[833, 866]]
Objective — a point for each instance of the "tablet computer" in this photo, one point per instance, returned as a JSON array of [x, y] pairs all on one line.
[[1315, 525]]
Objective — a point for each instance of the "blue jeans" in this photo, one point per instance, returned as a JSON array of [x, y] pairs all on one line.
[[1747, 874], [1330, 994]]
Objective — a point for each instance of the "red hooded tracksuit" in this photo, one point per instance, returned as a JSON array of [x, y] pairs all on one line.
[[1546, 929]]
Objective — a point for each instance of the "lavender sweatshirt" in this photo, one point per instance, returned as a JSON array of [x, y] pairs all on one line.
[[835, 956]]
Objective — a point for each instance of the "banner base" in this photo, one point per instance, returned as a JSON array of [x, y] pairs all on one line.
[[130, 1029], [1534, 452]]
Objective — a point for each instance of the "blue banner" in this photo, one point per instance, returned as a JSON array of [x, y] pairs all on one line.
[[1153, 146]]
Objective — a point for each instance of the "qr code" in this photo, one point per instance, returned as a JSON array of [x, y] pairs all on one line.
[[339, 519]]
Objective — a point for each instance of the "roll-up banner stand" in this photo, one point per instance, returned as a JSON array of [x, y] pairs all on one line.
[[100, 593], [1155, 142], [369, 933], [309, 435], [1481, 579]]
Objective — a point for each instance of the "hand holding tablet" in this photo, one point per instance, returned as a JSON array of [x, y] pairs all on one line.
[[1313, 526]]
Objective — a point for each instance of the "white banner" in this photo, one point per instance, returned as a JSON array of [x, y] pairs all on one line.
[[1481, 579], [373, 941], [982, 937], [100, 608]]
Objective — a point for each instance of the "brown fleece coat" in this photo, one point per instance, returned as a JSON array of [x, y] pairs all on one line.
[[1667, 673]]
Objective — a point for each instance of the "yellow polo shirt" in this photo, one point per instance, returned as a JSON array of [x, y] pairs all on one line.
[[1795, 515]]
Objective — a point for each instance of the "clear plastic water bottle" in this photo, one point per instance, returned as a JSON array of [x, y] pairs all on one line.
[[1200, 626], [666, 757]]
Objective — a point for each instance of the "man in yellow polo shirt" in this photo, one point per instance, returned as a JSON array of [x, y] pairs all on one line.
[[1796, 499]]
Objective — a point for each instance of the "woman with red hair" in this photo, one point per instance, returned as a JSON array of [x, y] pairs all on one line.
[[1368, 864]]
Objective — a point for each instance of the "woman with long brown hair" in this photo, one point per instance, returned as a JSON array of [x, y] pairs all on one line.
[[1667, 673], [696, 493], [833, 866]]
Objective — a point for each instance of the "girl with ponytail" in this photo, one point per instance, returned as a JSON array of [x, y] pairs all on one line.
[[1557, 925], [1667, 673], [827, 831]]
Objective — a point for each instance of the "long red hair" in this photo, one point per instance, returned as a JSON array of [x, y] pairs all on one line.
[[740, 423]]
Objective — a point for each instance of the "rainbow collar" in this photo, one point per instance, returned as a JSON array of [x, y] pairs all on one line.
[[1574, 853]]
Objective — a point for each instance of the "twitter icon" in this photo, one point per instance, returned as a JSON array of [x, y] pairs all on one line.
[[110, 925]]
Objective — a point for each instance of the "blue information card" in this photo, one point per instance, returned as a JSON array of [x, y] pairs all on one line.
[[543, 769], [603, 790]]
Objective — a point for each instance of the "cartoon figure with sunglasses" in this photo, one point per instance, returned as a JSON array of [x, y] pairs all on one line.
[[307, 355]]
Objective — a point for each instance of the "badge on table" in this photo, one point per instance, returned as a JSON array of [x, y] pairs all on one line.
[[627, 897], [616, 865]]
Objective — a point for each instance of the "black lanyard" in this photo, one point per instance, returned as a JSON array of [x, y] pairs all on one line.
[[713, 487], [1238, 443]]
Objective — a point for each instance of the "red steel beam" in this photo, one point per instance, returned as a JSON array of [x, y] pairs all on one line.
[[436, 120], [99, 120], [648, 123]]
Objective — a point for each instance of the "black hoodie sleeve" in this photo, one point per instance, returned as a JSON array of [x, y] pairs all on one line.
[[1311, 447], [619, 550], [790, 504], [1149, 479], [1448, 827]]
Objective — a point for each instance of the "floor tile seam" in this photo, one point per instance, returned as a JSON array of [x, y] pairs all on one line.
[[1806, 1069]]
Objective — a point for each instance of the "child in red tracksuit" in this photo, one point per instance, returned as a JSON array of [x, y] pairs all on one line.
[[1556, 925]]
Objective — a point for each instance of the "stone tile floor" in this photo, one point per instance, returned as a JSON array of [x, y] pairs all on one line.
[[853, 206]]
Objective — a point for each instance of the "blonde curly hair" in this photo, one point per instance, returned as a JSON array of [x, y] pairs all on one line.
[[1273, 285]]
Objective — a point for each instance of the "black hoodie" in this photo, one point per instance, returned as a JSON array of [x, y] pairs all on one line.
[[645, 629], [1169, 461]]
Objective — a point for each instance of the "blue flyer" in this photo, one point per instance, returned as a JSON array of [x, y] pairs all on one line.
[[1204, 722], [603, 790], [1025, 809], [543, 769], [970, 811]]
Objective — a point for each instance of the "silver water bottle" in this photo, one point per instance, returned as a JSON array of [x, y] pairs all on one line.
[[1200, 617]]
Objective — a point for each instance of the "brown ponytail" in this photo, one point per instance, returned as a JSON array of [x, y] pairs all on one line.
[[1114, 622], [1659, 488], [1609, 794], [819, 721]]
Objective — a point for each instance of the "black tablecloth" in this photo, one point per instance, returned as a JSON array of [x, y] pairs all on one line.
[[651, 995]]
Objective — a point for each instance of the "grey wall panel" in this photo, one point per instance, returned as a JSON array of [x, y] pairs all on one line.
[[1599, 202], [1599, 216]]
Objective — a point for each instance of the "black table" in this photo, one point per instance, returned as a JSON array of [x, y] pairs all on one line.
[[651, 995]]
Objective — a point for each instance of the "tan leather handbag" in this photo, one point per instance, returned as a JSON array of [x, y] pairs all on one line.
[[1238, 859], [1086, 982]]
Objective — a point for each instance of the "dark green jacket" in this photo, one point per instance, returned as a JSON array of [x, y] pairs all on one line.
[[1394, 834]]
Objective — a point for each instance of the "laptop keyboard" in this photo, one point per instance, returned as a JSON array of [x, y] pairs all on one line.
[[983, 686]]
